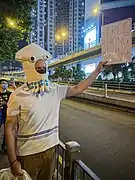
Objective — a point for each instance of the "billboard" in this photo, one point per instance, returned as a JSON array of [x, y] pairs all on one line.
[[117, 42], [89, 68], [90, 38]]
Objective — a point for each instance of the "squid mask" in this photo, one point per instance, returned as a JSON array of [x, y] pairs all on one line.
[[34, 60]]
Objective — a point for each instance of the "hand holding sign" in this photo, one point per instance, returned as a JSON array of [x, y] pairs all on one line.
[[101, 66]]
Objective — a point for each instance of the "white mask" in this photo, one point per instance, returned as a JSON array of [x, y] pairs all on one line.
[[29, 55]]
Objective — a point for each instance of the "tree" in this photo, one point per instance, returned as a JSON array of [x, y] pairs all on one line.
[[114, 69], [78, 74], [15, 22], [63, 74], [132, 67], [127, 70]]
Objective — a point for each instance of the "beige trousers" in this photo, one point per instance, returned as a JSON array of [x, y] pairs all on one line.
[[39, 166]]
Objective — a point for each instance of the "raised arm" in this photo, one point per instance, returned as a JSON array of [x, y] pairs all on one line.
[[79, 88]]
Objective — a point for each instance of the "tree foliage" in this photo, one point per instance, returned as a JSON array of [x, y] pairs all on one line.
[[126, 69], [63, 74], [18, 11]]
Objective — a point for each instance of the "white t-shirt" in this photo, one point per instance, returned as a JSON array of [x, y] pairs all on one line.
[[39, 118]]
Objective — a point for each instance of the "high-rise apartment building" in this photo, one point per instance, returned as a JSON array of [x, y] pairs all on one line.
[[76, 22], [58, 18], [50, 26], [61, 27], [43, 29]]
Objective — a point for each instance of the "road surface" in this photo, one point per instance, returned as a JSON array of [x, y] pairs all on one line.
[[107, 138], [130, 97]]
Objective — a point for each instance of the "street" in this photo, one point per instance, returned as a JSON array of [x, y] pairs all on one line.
[[107, 138]]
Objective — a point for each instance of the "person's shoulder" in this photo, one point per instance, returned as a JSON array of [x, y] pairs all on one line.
[[60, 85], [54, 86], [18, 90]]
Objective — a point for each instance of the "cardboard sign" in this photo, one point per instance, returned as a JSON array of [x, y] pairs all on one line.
[[117, 42]]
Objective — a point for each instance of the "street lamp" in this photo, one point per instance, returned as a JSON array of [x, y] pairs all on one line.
[[58, 37], [11, 23], [61, 38], [96, 12], [63, 35]]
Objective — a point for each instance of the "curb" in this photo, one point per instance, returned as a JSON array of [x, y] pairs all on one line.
[[122, 103]]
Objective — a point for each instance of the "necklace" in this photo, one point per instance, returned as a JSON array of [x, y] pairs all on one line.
[[38, 87]]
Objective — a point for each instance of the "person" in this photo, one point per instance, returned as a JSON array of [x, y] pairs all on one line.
[[35, 107], [4, 97]]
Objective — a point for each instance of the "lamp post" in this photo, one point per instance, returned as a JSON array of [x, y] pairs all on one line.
[[63, 35], [96, 12], [61, 38]]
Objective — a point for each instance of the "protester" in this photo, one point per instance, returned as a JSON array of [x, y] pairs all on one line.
[[35, 106], [4, 97]]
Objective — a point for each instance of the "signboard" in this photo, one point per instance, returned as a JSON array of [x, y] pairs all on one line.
[[90, 38], [117, 42]]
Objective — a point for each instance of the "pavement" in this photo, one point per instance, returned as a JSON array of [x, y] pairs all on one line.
[[106, 136], [114, 94]]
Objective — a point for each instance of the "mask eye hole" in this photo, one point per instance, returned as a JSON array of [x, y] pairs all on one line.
[[32, 59], [47, 56]]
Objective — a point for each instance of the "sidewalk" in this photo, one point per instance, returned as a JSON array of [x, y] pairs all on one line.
[[112, 94], [3, 157]]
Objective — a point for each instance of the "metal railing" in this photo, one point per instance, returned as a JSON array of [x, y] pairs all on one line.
[[60, 161], [82, 172], [68, 165], [127, 86]]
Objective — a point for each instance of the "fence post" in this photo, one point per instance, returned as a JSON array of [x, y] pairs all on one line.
[[105, 92], [72, 149]]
